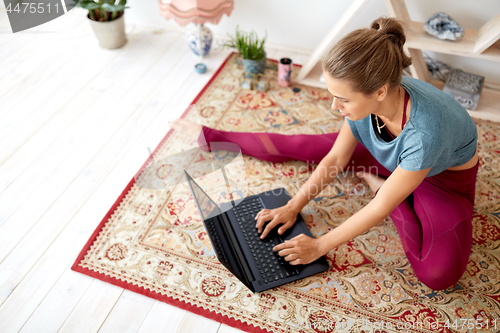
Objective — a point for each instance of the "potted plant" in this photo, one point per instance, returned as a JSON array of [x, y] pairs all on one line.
[[107, 21], [251, 48]]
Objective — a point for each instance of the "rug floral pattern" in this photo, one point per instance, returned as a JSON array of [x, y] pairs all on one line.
[[155, 239]]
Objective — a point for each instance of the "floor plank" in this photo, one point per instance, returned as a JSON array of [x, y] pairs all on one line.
[[113, 81], [195, 323], [63, 250], [228, 329], [9, 42], [50, 225], [163, 317], [176, 111], [128, 313], [58, 304], [30, 286], [93, 308], [19, 64], [22, 130], [53, 75], [51, 173]]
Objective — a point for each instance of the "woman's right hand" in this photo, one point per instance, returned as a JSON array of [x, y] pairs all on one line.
[[285, 215]]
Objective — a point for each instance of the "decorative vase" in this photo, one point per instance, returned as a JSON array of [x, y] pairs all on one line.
[[254, 67], [199, 39], [110, 34]]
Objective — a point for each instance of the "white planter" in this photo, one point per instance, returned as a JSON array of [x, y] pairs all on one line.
[[110, 34]]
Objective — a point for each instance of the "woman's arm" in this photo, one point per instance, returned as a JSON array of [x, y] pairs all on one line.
[[329, 167], [401, 183]]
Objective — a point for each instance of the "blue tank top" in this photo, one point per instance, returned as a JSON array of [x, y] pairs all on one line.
[[439, 134]]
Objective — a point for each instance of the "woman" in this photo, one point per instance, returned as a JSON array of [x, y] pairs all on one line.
[[419, 139]]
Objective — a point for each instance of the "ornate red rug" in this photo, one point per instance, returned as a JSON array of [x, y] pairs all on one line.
[[153, 242]]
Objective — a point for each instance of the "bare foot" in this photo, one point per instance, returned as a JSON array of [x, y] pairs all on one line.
[[187, 127], [375, 182]]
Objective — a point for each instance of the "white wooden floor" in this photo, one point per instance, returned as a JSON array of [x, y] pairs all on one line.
[[76, 122]]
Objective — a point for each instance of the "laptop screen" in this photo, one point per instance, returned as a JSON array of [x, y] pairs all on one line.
[[208, 209], [206, 206]]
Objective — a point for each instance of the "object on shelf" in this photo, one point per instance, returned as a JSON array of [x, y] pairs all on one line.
[[482, 43], [437, 69], [198, 12], [442, 26], [464, 87]]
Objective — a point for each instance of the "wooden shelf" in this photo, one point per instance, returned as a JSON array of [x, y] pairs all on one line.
[[481, 44], [418, 38], [309, 72], [312, 79], [489, 102]]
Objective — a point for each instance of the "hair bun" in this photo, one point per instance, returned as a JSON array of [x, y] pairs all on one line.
[[391, 27]]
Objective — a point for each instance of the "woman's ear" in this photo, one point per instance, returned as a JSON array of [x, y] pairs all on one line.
[[381, 93]]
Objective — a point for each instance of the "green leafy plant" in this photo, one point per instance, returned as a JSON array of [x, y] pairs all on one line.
[[103, 10], [248, 44]]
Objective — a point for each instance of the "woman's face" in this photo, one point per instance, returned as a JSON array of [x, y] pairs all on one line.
[[352, 104]]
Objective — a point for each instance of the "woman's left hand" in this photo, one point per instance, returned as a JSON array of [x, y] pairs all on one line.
[[299, 250]]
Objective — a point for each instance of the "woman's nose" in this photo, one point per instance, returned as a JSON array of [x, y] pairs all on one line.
[[335, 105]]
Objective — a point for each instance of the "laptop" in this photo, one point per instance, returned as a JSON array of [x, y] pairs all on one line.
[[237, 244]]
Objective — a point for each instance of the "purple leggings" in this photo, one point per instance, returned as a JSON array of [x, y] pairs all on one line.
[[433, 223]]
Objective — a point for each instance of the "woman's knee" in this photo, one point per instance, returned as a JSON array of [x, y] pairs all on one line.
[[438, 277], [445, 264]]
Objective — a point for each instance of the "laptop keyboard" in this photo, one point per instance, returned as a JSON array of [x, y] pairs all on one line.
[[271, 265]]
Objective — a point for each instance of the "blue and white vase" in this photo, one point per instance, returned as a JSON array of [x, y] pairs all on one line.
[[199, 39]]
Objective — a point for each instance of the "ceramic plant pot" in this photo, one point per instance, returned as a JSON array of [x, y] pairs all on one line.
[[110, 34], [254, 67]]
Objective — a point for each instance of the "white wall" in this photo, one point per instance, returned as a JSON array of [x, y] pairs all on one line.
[[302, 24]]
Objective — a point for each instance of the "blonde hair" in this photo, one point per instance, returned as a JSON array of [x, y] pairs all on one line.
[[368, 58]]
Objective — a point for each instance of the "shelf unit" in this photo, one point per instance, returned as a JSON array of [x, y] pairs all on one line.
[[482, 44]]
